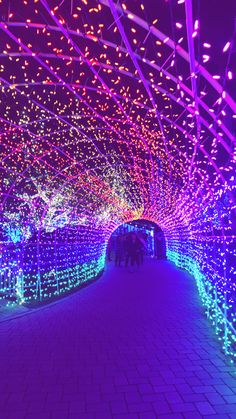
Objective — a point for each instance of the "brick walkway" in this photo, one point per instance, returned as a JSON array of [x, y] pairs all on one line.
[[131, 345]]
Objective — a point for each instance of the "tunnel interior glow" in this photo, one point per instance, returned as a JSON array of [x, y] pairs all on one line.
[[112, 112]]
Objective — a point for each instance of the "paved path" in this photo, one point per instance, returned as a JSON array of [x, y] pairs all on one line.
[[131, 345]]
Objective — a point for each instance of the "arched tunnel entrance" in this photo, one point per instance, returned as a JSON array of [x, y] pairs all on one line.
[[150, 241]]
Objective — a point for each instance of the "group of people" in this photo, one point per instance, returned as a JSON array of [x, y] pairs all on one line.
[[129, 248]]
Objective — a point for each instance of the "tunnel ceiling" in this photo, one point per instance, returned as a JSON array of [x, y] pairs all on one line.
[[113, 111]]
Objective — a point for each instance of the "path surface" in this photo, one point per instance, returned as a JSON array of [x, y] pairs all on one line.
[[131, 345]]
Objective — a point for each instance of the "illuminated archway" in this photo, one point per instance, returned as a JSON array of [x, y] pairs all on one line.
[[149, 234], [107, 117]]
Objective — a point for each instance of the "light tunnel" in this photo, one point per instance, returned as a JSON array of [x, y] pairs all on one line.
[[112, 112]]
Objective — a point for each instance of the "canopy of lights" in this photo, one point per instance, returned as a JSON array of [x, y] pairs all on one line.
[[110, 112]]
